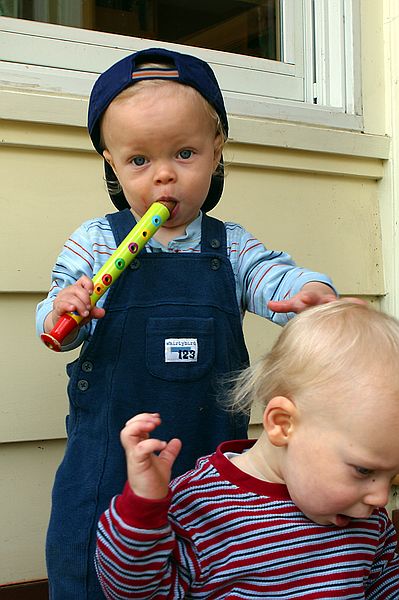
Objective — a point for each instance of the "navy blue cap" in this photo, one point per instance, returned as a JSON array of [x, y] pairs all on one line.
[[187, 70]]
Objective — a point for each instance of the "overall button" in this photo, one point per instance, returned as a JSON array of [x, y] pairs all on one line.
[[83, 385], [215, 243], [135, 264], [215, 264], [87, 366]]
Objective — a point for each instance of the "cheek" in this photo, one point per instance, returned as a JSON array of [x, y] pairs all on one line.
[[133, 185], [310, 475], [322, 492]]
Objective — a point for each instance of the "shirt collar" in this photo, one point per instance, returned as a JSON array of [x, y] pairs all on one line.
[[191, 238]]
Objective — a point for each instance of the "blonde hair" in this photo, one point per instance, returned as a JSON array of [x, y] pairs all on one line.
[[333, 343]]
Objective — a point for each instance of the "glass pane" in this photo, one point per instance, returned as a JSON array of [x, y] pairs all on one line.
[[250, 27]]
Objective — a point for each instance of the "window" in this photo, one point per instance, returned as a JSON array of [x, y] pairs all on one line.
[[286, 59], [249, 27]]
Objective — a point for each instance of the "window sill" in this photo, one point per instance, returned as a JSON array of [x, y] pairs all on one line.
[[60, 109]]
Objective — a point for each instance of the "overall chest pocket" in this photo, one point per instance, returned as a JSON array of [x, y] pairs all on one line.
[[180, 348]]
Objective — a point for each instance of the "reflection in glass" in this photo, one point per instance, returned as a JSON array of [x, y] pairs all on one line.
[[249, 27]]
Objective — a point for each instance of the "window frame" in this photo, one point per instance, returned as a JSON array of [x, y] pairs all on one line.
[[47, 59]]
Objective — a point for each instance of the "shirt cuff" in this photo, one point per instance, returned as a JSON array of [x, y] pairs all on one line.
[[142, 513]]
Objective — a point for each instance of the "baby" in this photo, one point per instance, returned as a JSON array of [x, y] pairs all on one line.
[[297, 513]]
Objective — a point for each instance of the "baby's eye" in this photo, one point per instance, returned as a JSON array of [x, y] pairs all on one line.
[[363, 471], [185, 154], [138, 161]]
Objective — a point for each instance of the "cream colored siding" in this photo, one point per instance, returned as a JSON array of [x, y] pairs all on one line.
[[27, 470], [323, 208], [313, 191]]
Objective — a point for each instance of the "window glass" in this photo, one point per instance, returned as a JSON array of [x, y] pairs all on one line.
[[248, 27], [309, 71]]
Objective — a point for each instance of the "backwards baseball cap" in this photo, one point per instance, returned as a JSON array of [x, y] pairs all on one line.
[[187, 70]]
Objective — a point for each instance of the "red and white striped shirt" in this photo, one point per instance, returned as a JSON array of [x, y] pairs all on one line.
[[222, 534]]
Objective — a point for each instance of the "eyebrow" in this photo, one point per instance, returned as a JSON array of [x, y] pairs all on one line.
[[373, 466]]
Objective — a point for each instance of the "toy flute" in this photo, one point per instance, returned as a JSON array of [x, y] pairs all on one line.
[[128, 249]]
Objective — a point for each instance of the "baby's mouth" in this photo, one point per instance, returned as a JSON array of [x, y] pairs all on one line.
[[342, 520], [169, 202]]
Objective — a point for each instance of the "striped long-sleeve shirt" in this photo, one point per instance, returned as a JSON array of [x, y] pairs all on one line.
[[260, 274], [222, 534]]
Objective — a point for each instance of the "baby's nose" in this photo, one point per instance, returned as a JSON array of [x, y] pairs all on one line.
[[378, 495], [165, 173]]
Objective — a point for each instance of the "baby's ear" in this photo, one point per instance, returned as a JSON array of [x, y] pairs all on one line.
[[217, 153], [278, 420], [108, 157]]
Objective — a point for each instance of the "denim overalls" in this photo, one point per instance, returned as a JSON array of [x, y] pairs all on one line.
[[172, 329]]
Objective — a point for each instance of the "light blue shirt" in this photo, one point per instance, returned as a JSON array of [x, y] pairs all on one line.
[[260, 274]]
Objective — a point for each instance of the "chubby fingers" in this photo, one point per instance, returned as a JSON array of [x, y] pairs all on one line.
[[149, 460], [285, 306], [306, 299], [138, 429], [75, 298], [171, 451], [300, 302], [136, 440]]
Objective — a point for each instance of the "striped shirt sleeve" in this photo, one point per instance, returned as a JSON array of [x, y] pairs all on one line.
[[138, 554], [263, 275], [383, 579], [84, 253]]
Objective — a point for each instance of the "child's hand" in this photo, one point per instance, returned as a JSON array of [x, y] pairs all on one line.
[[74, 298], [312, 294], [148, 473]]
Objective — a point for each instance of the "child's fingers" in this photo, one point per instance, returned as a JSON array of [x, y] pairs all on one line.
[[281, 306], [73, 298], [313, 299], [138, 429], [71, 305], [144, 417], [86, 283], [171, 451], [145, 448], [97, 313], [300, 302]]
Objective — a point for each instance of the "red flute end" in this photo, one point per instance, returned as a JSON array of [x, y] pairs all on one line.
[[61, 329]]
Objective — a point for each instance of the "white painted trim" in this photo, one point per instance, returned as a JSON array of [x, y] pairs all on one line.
[[64, 86], [53, 59], [296, 136], [389, 192], [58, 110]]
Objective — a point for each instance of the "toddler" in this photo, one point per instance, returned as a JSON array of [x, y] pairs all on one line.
[[297, 513], [158, 119]]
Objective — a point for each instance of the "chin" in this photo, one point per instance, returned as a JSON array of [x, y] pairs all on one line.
[[320, 519]]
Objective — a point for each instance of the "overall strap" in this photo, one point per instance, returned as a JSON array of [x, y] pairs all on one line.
[[213, 231], [122, 222], [213, 236]]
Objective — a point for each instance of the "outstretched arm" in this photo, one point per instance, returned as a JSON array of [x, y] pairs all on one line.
[[268, 282], [312, 294]]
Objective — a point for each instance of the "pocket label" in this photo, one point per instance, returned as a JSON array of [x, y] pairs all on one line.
[[181, 350]]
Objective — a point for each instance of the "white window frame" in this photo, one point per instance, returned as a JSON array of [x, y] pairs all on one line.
[[41, 58]]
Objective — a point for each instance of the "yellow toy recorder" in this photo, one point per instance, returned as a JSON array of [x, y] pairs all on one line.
[[143, 231]]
